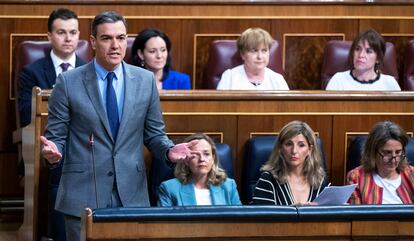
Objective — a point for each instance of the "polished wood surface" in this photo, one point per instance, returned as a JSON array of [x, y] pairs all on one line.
[[35, 191], [267, 229], [227, 2]]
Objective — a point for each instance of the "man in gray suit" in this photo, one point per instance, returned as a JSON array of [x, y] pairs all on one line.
[[100, 116]]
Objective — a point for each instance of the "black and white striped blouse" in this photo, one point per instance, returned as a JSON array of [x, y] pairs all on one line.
[[268, 191]]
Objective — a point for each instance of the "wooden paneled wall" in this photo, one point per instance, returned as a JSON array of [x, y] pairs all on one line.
[[302, 30]]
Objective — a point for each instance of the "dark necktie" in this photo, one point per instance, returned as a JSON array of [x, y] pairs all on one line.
[[64, 66], [111, 105]]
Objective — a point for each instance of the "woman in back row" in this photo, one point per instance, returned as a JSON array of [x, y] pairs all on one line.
[[254, 47], [152, 50], [365, 57]]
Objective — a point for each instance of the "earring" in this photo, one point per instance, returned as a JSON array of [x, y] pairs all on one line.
[[142, 63]]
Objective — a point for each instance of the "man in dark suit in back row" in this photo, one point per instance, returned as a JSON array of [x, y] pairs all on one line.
[[63, 34]]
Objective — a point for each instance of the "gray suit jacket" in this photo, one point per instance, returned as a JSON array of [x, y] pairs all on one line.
[[175, 193], [76, 111]]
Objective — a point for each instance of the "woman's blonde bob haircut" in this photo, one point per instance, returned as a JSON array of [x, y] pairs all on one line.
[[252, 38], [216, 175], [279, 167]]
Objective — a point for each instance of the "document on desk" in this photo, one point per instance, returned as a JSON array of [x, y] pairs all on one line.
[[335, 195]]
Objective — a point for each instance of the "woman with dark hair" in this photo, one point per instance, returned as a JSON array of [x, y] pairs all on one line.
[[294, 173], [152, 50], [384, 177], [199, 181], [365, 57]]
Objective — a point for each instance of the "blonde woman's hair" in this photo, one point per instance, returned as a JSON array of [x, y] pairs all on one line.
[[279, 167], [216, 175], [252, 38]]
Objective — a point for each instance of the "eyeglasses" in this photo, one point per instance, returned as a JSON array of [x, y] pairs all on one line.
[[389, 157]]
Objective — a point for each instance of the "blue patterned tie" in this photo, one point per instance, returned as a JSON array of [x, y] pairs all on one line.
[[111, 105]]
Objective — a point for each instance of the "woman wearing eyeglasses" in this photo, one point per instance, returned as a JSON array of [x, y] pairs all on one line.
[[384, 177]]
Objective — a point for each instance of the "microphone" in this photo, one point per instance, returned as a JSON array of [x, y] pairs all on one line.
[[92, 145]]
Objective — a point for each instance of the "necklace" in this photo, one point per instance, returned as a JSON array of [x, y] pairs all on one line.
[[365, 81]]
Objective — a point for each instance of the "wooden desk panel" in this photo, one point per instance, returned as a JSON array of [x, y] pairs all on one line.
[[235, 116], [124, 224], [213, 230]]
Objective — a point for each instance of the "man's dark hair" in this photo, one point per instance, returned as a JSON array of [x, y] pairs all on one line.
[[60, 13], [106, 17]]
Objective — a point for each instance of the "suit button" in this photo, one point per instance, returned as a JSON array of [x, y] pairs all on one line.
[[110, 173]]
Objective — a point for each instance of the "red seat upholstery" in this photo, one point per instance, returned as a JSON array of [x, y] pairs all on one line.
[[336, 60], [225, 55], [409, 67], [128, 54]]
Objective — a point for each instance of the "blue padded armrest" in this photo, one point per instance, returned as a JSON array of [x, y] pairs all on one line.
[[225, 158], [356, 212], [196, 213], [355, 152], [258, 151], [410, 151], [256, 213]]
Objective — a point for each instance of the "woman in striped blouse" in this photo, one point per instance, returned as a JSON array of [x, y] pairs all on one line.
[[294, 174], [384, 177]]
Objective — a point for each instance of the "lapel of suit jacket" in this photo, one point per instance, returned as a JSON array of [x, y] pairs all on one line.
[[130, 98], [92, 88], [187, 194], [49, 71], [216, 195]]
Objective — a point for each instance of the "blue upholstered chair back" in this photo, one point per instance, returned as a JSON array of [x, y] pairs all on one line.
[[258, 150], [161, 171], [357, 145]]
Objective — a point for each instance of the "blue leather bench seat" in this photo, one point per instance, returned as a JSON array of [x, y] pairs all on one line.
[[256, 213], [356, 212]]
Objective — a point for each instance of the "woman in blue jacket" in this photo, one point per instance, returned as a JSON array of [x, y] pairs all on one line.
[[199, 181], [151, 50]]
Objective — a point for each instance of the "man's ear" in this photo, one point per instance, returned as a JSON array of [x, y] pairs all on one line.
[[92, 39], [49, 36]]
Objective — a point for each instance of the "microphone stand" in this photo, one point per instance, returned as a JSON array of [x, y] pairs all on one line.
[[92, 145]]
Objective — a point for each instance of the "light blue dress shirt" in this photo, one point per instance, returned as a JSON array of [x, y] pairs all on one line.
[[118, 84]]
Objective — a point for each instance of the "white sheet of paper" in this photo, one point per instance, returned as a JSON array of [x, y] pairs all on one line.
[[335, 195]]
